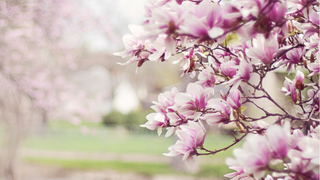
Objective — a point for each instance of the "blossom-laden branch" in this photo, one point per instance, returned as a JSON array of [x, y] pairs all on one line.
[[227, 44]]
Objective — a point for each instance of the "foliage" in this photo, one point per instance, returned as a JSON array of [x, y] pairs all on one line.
[[237, 45], [131, 121]]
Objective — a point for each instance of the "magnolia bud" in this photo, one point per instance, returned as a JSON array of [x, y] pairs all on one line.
[[290, 27], [172, 27], [312, 58], [305, 62]]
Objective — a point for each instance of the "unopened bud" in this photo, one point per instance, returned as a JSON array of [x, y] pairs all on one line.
[[312, 58], [299, 85], [305, 62], [241, 128], [290, 27], [140, 63], [172, 27]]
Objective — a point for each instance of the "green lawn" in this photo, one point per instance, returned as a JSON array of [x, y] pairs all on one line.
[[148, 169], [62, 136]]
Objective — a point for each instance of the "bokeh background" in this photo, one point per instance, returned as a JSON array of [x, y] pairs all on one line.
[[69, 111]]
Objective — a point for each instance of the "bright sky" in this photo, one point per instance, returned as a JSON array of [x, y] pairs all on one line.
[[119, 14]]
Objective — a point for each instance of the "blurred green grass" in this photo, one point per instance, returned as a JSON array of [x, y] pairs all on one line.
[[148, 169], [63, 136]]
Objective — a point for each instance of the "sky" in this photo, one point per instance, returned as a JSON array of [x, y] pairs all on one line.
[[118, 13]]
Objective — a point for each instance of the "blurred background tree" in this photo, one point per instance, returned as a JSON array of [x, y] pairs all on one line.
[[40, 43]]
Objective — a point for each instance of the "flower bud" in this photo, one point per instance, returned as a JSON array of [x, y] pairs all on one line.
[[290, 27]]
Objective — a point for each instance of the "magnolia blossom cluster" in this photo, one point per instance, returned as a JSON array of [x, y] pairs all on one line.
[[227, 44]]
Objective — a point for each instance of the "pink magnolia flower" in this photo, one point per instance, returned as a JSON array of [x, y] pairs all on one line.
[[204, 21], [265, 49], [259, 126], [234, 99], [243, 75], [314, 41], [287, 86], [206, 78], [138, 50], [190, 104], [221, 115], [305, 159], [236, 175], [278, 138], [294, 57], [228, 69], [298, 80], [155, 120], [190, 137], [165, 19], [162, 107], [314, 68], [250, 7], [255, 155], [188, 62], [278, 12], [165, 101]]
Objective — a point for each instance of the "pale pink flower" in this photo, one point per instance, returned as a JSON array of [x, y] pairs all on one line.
[[165, 101], [228, 69], [305, 160], [156, 120], [278, 12], [190, 104], [314, 68], [236, 175], [250, 7], [260, 125], [221, 115], [287, 86], [138, 50], [294, 57], [243, 75], [190, 137], [265, 50], [314, 41], [206, 78], [255, 155], [204, 21], [278, 138], [234, 99]]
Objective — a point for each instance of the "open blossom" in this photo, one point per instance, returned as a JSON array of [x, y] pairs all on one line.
[[236, 175], [138, 50], [155, 120], [207, 78], [222, 114], [278, 138], [265, 49], [165, 101], [305, 159], [243, 74], [234, 99], [190, 104], [314, 68], [228, 69], [162, 107], [314, 41], [204, 21], [255, 155], [278, 12], [190, 137], [294, 56]]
